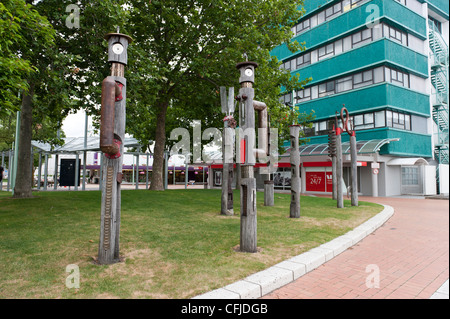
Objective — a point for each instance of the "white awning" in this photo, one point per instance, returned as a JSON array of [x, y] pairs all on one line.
[[408, 161], [76, 144]]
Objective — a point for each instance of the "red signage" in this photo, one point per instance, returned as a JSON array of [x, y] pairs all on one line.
[[315, 181], [329, 177]]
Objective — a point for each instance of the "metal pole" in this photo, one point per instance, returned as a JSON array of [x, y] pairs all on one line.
[[77, 171], [55, 176], [39, 172], [3, 165], [11, 170], [16, 152], [46, 172], [146, 173], [186, 172], [137, 168]]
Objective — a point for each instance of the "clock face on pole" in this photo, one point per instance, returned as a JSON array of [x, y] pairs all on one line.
[[248, 72], [117, 48]]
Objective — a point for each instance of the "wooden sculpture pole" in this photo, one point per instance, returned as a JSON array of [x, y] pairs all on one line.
[[339, 170], [332, 154], [248, 235], [227, 150], [295, 172], [353, 155], [112, 134]]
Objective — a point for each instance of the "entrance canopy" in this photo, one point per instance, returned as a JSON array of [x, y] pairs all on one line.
[[76, 144], [362, 147], [408, 161]]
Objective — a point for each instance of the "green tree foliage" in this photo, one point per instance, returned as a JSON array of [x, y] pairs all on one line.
[[185, 50], [69, 64], [20, 27]]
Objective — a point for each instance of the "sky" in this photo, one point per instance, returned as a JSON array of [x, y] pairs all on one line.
[[73, 125]]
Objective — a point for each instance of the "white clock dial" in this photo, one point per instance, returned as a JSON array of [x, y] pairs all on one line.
[[117, 48], [248, 72]]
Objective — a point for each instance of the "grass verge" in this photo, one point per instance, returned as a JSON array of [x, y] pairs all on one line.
[[175, 243]]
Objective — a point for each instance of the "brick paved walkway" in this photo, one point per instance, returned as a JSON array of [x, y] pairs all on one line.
[[411, 252]]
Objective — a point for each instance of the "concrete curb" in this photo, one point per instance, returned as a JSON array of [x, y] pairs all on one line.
[[259, 284], [442, 292]]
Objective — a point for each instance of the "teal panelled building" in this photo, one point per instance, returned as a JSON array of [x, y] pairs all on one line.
[[387, 62]]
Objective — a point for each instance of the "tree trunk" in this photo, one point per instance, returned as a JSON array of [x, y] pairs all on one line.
[[23, 184], [158, 153]]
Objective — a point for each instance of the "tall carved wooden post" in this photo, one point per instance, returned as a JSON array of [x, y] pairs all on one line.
[[295, 172], [353, 155], [112, 134], [339, 169], [248, 237], [227, 150], [332, 154]]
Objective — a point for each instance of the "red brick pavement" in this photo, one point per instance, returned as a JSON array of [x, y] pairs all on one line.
[[411, 252]]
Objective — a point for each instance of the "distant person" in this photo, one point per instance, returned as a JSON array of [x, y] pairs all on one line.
[[1, 173]]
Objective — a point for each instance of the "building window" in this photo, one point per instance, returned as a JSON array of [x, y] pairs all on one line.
[[365, 121], [398, 120], [344, 84], [326, 51], [395, 34], [304, 60], [333, 11], [325, 15], [343, 45], [436, 23], [400, 78], [402, 2], [410, 176], [326, 89], [304, 95], [362, 37], [302, 26], [286, 99]]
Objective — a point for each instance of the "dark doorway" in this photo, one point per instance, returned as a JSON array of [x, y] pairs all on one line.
[[67, 175]]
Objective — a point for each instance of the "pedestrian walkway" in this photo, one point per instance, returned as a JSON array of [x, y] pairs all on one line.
[[407, 258]]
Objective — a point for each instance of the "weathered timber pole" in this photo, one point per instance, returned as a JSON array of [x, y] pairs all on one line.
[[353, 154], [354, 171], [112, 134], [227, 150], [332, 154], [248, 234], [339, 170], [264, 149], [295, 172]]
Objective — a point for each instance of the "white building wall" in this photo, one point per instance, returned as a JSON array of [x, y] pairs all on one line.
[[429, 180], [444, 179]]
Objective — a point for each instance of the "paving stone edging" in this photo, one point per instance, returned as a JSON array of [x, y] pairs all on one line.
[[260, 284]]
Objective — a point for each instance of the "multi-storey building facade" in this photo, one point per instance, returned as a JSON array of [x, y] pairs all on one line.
[[387, 62]]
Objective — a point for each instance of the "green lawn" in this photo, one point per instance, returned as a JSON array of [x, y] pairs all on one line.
[[174, 243]]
